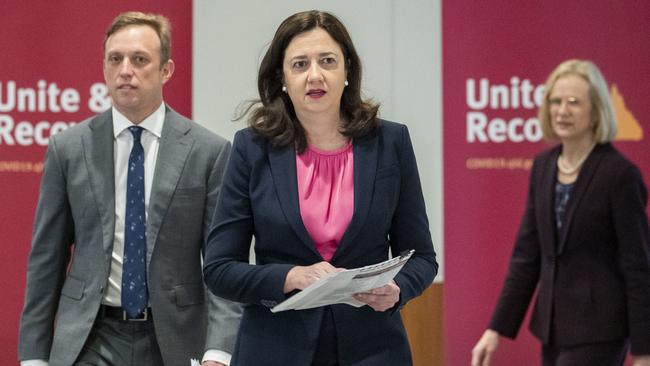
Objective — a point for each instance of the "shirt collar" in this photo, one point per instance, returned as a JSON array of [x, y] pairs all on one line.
[[153, 123]]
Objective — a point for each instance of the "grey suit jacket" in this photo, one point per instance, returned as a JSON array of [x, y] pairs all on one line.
[[73, 235]]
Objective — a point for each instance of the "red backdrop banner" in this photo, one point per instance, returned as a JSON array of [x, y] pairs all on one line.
[[496, 57], [51, 78]]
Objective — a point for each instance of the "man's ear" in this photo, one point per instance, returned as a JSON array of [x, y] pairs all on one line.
[[167, 70]]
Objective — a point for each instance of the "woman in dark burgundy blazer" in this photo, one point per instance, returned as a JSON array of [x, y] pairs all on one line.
[[584, 242]]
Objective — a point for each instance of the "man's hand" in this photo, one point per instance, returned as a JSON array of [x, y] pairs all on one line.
[[381, 298]]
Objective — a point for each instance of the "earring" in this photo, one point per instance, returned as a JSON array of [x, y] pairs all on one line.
[[284, 88], [346, 83]]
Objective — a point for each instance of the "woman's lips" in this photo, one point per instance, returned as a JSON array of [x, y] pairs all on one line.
[[563, 124], [316, 93]]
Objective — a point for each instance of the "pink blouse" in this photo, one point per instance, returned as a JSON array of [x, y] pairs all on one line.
[[326, 195]]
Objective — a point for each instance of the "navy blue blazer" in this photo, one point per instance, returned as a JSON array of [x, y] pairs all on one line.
[[593, 275], [259, 198]]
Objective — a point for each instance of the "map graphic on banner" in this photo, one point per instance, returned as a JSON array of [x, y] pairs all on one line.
[[50, 79], [497, 55]]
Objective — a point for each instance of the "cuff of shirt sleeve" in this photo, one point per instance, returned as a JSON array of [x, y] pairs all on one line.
[[215, 355], [35, 363]]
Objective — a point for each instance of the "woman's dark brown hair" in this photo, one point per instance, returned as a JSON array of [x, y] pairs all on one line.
[[273, 116]]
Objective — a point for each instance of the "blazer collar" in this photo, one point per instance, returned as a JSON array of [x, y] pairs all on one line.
[[365, 167], [173, 152], [585, 177], [99, 156], [544, 199], [283, 169], [98, 147]]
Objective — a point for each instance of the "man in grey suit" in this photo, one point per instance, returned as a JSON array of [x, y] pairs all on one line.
[[114, 274]]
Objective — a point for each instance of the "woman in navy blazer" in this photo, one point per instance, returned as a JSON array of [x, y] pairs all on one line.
[[584, 241], [309, 85]]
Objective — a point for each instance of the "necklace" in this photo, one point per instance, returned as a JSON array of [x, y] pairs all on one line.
[[568, 170]]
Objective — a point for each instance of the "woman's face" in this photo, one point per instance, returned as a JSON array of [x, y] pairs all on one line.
[[314, 73], [570, 109]]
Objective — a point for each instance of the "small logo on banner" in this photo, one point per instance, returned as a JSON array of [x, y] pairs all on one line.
[[628, 127]]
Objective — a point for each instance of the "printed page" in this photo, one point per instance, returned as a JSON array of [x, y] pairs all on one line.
[[340, 287]]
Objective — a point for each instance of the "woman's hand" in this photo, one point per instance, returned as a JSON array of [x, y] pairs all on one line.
[[485, 347], [641, 360], [380, 298], [299, 277]]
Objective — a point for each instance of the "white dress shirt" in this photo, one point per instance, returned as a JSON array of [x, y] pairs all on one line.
[[122, 143]]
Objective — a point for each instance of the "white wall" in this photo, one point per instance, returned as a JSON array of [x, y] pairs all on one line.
[[399, 43]]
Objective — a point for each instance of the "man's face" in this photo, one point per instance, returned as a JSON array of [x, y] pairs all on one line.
[[133, 72]]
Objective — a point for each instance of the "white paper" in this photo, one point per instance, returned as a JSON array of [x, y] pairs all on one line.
[[339, 287]]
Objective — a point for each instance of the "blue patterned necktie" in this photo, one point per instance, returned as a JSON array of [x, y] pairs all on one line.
[[134, 274]]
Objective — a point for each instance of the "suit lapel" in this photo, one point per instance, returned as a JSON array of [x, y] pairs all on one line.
[[283, 170], [175, 146], [99, 156], [546, 203], [365, 167], [582, 183]]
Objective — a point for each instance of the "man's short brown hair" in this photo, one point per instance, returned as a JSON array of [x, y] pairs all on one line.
[[157, 22]]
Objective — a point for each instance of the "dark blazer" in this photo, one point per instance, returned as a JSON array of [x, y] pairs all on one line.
[[260, 199], [73, 238], [593, 276]]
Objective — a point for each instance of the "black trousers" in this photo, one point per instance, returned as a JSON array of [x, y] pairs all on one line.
[[601, 354]]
